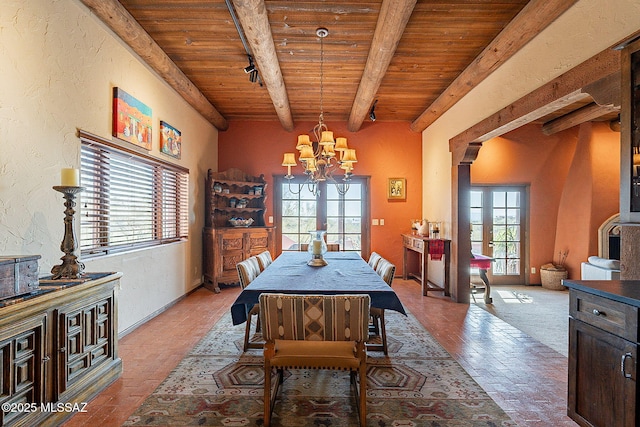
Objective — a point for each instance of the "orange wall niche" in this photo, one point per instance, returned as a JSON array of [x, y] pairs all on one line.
[[384, 150], [573, 180]]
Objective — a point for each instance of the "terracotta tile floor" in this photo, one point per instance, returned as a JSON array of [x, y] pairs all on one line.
[[527, 379]]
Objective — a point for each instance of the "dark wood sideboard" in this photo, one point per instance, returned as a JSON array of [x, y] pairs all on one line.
[[59, 348], [416, 261], [603, 351]]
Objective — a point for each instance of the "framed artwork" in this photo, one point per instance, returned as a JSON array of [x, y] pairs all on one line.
[[397, 189], [170, 140], [131, 119]]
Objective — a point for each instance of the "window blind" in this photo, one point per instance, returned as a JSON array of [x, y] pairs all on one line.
[[130, 200]]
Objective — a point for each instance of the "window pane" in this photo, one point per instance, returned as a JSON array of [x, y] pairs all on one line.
[[332, 208], [499, 216], [352, 225], [353, 208], [499, 199], [476, 198], [290, 208], [290, 225], [476, 215], [513, 216]]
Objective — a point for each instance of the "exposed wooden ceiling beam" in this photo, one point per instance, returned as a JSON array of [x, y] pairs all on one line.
[[559, 92], [581, 115], [392, 20], [253, 17], [531, 20], [120, 21]]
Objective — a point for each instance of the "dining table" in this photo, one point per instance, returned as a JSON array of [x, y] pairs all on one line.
[[345, 273]]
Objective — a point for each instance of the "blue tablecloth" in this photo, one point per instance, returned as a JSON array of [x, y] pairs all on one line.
[[346, 273]]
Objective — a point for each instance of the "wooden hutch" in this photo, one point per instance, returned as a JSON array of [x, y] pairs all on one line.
[[232, 194]]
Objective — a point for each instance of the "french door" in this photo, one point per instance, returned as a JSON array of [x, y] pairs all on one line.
[[345, 217], [498, 225]]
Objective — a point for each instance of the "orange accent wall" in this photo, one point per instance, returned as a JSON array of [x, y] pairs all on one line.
[[384, 150], [574, 183]]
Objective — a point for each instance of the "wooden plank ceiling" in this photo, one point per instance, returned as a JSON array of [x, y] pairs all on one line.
[[416, 58]]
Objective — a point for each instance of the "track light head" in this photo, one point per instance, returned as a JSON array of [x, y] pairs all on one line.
[[372, 112], [249, 68]]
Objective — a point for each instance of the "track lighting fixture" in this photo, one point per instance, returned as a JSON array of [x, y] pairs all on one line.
[[251, 67], [372, 113], [251, 70]]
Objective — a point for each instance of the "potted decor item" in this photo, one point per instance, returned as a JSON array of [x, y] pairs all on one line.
[[423, 230], [552, 274]]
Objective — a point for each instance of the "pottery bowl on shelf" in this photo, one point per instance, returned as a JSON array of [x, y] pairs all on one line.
[[241, 222]]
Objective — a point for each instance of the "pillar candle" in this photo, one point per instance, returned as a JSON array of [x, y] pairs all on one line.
[[70, 177], [317, 247]]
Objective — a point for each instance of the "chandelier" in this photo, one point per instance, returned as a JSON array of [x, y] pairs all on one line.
[[323, 156]]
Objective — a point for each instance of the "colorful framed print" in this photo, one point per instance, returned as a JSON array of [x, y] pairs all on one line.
[[397, 189], [131, 119], [170, 140]]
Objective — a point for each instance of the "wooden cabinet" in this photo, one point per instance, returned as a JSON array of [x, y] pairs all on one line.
[[233, 194], [59, 346], [630, 134], [603, 344], [225, 247]]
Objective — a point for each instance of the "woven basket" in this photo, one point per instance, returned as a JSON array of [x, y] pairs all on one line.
[[551, 277]]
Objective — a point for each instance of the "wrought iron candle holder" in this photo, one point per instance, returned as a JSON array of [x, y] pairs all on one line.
[[70, 268]]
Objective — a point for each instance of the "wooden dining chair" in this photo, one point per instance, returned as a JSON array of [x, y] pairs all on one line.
[[264, 260], [386, 270], [374, 258], [248, 270], [315, 332], [331, 247]]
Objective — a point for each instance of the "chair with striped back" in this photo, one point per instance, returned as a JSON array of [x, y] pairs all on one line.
[[264, 260], [248, 270], [386, 271], [315, 332], [374, 258]]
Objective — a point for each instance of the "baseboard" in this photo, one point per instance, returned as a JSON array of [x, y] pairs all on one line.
[[156, 313]]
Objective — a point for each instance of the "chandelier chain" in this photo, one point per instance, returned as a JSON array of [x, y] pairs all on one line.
[[321, 77]]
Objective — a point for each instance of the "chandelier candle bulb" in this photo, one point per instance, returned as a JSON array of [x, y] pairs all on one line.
[[70, 177]]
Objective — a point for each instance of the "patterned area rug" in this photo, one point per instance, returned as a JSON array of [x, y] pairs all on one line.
[[418, 384]]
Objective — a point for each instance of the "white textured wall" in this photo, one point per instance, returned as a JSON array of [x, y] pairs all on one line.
[[583, 31], [58, 67]]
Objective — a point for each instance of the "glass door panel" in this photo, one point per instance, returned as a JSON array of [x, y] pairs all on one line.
[[497, 218]]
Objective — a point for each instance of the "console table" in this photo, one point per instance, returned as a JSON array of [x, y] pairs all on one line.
[[416, 250]]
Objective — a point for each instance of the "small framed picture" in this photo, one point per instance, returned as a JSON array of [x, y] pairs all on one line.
[[170, 140], [397, 189]]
